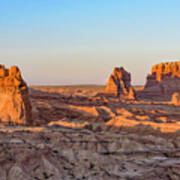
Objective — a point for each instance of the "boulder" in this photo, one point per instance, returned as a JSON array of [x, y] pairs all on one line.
[[119, 82], [15, 106]]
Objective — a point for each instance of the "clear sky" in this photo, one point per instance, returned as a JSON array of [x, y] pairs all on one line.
[[81, 41]]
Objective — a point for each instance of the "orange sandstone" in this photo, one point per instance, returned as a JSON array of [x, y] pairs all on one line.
[[119, 83], [175, 99], [15, 106], [163, 81]]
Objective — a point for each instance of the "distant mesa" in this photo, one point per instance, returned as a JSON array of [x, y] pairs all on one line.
[[163, 81], [119, 84], [15, 106], [163, 71]]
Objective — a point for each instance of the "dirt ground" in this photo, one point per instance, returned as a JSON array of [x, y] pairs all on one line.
[[77, 134]]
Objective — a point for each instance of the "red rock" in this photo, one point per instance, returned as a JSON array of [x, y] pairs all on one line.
[[119, 82], [163, 81], [132, 93], [163, 71], [15, 106], [175, 99]]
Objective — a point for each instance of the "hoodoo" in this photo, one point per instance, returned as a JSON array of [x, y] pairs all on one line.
[[15, 106], [119, 83]]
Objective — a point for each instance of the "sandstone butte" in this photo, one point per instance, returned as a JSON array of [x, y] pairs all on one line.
[[15, 106], [119, 83], [164, 80]]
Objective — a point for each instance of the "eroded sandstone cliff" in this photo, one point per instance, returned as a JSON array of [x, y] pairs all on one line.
[[119, 82], [163, 81], [15, 106]]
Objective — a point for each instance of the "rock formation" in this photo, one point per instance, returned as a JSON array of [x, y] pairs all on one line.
[[175, 99], [163, 81], [119, 82], [132, 94], [15, 107]]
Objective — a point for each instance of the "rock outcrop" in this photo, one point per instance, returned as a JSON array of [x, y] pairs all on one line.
[[132, 94], [15, 106], [175, 99], [119, 82], [99, 153], [163, 81]]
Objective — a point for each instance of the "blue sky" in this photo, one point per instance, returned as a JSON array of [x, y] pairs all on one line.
[[81, 41]]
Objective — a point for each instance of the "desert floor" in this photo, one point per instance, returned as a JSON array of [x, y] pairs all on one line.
[[77, 134]]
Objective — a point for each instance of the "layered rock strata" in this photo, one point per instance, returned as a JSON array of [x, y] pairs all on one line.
[[15, 106], [119, 82], [163, 81]]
